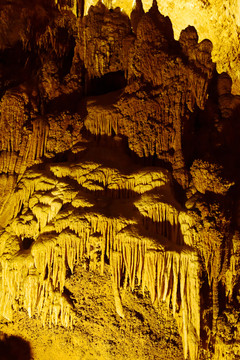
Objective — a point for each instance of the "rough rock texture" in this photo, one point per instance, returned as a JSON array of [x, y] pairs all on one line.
[[99, 333], [155, 106], [216, 20], [64, 226], [119, 154]]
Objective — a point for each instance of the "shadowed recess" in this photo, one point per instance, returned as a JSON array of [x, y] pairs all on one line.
[[14, 348]]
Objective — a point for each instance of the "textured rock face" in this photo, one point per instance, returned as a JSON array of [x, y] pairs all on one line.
[[215, 20], [119, 150], [101, 40], [67, 226], [156, 104]]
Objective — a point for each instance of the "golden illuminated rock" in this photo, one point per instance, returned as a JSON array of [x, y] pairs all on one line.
[[119, 178], [135, 248], [213, 20]]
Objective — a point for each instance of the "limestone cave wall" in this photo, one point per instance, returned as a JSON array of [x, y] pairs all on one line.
[[119, 152]]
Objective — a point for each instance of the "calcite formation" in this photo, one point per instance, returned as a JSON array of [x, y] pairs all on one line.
[[216, 20], [118, 148], [150, 243]]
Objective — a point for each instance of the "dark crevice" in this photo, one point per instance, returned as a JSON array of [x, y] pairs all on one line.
[[27, 242], [14, 348], [107, 83]]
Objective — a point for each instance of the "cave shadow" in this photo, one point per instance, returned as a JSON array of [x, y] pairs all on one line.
[[14, 348]]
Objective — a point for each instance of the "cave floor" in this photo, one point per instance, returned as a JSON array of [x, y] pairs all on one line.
[[146, 332]]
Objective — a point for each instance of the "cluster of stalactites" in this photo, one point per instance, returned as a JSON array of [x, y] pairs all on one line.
[[35, 280], [22, 287], [150, 243], [169, 276], [91, 176], [22, 141], [95, 176], [30, 183], [166, 220]]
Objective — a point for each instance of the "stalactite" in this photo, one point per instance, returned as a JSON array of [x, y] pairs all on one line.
[[20, 147], [150, 245], [162, 273], [116, 265], [102, 122], [169, 221], [26, 226], [95, 176]]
